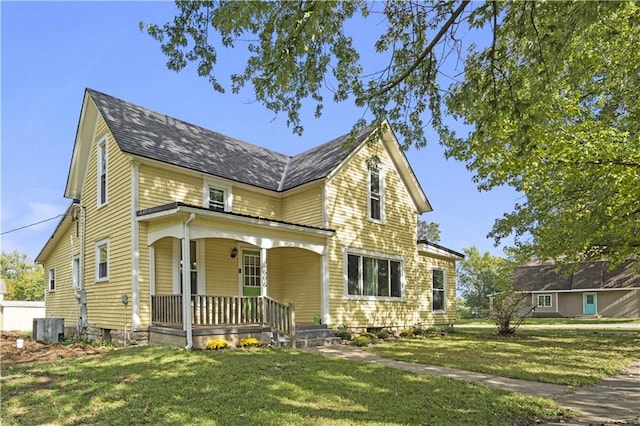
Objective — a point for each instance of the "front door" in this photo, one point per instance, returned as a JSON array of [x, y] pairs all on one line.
[[251, 277], [589, 303]]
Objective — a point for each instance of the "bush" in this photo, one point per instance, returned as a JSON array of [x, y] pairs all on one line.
[[419, 331], [361, 341], [507, 311], [217, 344], [383, 334], [406, 333], [343, 333], [249, 341], [368, 335]]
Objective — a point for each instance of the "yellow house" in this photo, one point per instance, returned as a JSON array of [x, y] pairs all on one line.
[[267, 243]]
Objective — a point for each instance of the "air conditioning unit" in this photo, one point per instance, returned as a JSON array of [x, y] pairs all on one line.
[[48, 330]]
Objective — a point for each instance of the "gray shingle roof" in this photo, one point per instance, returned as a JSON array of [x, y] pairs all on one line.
[[148, 134], [319, 161], [586, 276]]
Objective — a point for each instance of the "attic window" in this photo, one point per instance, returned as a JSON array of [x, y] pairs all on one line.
[[376, 194], [216, 199], [102, 172], [217, 196]]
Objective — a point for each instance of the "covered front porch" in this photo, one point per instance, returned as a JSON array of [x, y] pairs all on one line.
[[233, 317], [243, 273]]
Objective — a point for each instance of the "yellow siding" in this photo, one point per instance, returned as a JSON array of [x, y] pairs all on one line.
[[275, 274], [112, 221], [254, 203], [61, 303], [301, 278], [347, 198], [424, 289], [221, 270], [304, 207], [164, 265], [158, 186], [144, 279]]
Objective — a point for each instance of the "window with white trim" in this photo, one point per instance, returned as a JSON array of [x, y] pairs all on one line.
[[438, 293], [217, 197], [102, 172], [102, 260], [544, 301], [376, 195], [52, 279], [75, 272], [193, 268], [374, 276], [197, 271]]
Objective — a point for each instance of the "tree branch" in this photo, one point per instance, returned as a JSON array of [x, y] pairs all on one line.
[[445, 27]]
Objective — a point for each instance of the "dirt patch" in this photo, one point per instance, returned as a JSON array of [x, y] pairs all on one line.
[[32, 350]]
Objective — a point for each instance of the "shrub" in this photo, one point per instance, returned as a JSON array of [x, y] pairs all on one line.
[[406, 333], [383, 334], [249, 341], [343, 333], [507, 311], [361, 341], [217, 344], [368, 335]]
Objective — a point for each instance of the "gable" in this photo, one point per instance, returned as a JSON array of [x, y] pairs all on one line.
[[400, 165], [147, 134]]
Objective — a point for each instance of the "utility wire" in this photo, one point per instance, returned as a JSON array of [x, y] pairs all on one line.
[[32, 224]]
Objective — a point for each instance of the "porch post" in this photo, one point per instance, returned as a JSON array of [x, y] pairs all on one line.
[[263, 274], [186, 281], [324, 287], [264, 283]]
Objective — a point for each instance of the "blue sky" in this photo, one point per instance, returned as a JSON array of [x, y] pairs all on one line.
[[52, 51]]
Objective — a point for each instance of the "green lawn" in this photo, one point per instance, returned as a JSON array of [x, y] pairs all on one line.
[[160, 385], [569, 357]]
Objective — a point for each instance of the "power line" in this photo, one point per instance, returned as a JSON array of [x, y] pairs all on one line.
[[32, 224]]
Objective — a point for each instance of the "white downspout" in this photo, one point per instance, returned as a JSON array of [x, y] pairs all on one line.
[[186, 281], [135, 251]]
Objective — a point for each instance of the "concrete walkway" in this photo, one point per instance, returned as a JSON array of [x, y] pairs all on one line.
[[615, 400]]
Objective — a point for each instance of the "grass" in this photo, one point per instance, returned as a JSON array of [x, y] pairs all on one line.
[[566, 357], [161, 385]]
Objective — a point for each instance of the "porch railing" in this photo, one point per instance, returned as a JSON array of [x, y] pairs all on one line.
[[166, 310]]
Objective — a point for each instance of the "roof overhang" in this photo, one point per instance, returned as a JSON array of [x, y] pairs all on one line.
[[61, 227], [434, 249], [390, 142], [82, 147]]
